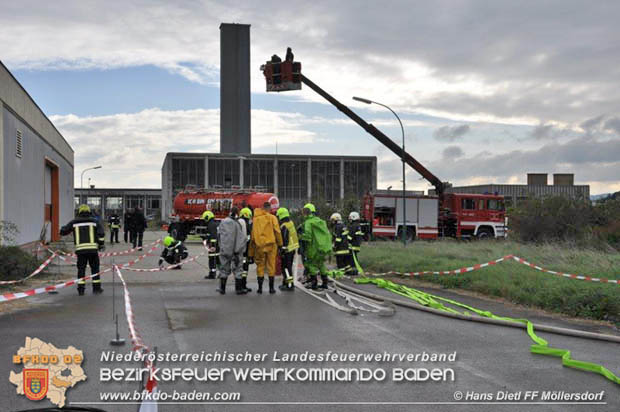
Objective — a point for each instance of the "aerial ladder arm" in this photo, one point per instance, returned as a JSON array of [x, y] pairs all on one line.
[[377, 134]]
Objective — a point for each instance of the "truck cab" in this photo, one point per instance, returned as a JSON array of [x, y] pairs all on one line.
[[473, 215]]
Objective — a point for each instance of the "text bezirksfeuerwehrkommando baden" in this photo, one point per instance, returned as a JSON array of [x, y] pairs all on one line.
[[306, 356]]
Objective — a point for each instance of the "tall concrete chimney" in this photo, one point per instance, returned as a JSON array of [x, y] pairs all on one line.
[[235, 128]]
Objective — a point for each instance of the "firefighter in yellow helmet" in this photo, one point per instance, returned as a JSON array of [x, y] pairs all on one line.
[[212, 245], [89, 238], [174, 252], [290, 244]]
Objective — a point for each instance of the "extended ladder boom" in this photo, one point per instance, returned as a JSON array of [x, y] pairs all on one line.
[[377, 134]]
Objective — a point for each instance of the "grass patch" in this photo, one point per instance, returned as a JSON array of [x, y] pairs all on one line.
[[511, 280]]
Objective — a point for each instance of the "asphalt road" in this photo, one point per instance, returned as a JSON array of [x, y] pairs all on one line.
[[180, 312]]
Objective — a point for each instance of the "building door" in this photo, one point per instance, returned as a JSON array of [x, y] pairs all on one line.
[[51, 211]]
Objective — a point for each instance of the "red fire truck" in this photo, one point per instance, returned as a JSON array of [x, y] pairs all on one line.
[[191, 203], [446, 214], [428, 217]]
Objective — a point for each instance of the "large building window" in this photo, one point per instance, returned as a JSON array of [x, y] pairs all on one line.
[[223, 172], [258, 173], [292, 182], [358, 178], [326, 180], [114, 203], [187, 172], [133, 201]]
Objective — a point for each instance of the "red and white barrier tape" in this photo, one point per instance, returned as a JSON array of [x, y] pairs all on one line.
[[137, 344], [136, 340], [108, 254], [566, 275], [19, 295], [204, 243], [33, 274], [494, 262]]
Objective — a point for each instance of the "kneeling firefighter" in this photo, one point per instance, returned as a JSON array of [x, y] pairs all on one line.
[[316, 243], [232, 241], [212, 245], [174, 252], [290, 244], [89, 238]]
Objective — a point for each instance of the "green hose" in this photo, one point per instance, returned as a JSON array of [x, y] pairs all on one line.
[[541, 346]]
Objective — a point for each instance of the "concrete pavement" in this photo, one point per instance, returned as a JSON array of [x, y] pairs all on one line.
[[180, 312]]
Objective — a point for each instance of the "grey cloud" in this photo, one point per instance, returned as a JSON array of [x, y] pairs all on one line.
[[542, 132], [451, 133], [591, 159], [592, 124], [553, 60], [613, 124], [452, 152]]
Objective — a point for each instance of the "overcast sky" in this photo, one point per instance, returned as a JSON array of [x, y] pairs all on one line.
[[488, 90]]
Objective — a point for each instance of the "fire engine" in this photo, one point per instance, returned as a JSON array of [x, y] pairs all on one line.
[[191, 203], [444, 214], [429, 217]]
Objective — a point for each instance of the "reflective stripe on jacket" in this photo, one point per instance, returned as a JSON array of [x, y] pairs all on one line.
[[290, 242]]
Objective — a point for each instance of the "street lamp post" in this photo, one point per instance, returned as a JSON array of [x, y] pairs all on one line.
[[82, 176], [404, 228]]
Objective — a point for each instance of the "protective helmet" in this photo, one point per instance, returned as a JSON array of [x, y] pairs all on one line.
[[246, 212], [208, 215], [168, 241], [336, 217], [282, 213], [310, 207], [83, 209], [354, 216]]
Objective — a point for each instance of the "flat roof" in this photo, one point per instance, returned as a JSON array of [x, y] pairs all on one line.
[[194, 155]]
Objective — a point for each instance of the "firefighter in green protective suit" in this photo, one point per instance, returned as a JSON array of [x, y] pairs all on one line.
[[316, 242]]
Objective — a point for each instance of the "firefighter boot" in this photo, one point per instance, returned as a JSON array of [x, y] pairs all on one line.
[[81, 291], [260, 285], [324, 281], [313, 284], [244, 284], [239, 287], [97, 290], [222, 288], [271, 283]]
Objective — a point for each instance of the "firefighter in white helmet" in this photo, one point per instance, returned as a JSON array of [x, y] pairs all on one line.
[[355, 239], [340, 234]]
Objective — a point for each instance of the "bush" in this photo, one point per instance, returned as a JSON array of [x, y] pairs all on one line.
[[15, 263], [560, 219]]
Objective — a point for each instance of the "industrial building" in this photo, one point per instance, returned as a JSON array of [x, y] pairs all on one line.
[[536, 187], [107, 201], [36, 183], [293, 178]]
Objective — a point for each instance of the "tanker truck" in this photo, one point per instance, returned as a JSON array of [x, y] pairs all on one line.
[[191, 203]]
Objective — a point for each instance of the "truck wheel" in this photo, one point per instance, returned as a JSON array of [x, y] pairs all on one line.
[[485, 233], [410, 234]]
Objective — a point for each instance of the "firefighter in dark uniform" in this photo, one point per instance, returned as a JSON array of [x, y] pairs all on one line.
[[246, 215], [89, 238], [174, 252], [355, 239], [115, 224], [341, 244], [290, 244], [212, 245], [127, 219], [138, 225]]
